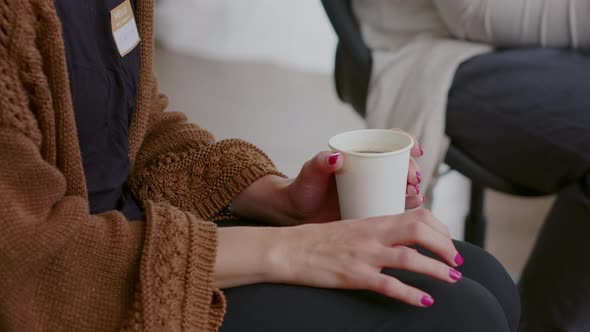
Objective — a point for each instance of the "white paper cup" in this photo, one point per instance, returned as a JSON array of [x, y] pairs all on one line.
[[373, 179]]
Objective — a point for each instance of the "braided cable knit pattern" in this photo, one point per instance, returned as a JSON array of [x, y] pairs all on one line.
[[202, 181]]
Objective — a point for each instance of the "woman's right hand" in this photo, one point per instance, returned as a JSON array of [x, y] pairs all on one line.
[[351, 254]]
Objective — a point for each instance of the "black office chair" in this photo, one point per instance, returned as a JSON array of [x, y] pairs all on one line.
[[352, 74]]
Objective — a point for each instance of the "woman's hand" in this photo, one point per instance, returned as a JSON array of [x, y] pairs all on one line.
[[311, 197], [351, 254], [343, 254], [312, 194]]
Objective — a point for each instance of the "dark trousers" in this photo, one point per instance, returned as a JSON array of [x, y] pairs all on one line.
[[525, 115], [486, 300]]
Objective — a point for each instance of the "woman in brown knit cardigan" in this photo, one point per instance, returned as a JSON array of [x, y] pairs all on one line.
[[86, 147]]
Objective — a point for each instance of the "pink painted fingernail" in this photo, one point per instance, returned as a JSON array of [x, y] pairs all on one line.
[[427, 301], [455, 275], [459, 259], [417, 189], [419, 176], [333, 158], [421, 151]]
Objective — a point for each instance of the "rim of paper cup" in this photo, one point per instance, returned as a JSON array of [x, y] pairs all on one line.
[[371, 155]]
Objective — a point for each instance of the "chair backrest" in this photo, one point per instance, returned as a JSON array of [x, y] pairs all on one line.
[[352, 71]]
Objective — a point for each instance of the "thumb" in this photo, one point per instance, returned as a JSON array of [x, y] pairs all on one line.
[[321, 167]]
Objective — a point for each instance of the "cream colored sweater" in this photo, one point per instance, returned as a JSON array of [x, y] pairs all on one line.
[[414, 61], [517, 23]]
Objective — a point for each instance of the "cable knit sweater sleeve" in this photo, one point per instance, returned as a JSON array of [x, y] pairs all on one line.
[[181, 164], [62, 269]]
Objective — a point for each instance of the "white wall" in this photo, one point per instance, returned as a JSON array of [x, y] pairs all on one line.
[[295, 33]]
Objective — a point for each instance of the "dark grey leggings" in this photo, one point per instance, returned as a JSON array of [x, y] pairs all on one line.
[[525, 115], [486, 300]]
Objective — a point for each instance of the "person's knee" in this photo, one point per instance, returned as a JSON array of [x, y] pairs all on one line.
[[468, 306], [489, 272], [485, 266]]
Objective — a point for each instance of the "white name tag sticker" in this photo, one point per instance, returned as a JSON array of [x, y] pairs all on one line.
[[124, 28]]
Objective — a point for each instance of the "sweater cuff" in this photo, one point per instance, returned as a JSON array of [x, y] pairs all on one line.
[[177, 285], [241, 165], [203, 181]]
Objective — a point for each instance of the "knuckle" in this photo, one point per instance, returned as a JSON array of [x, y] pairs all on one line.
[[349, 276], [446, 229], [451, 249], [405, 257], [377, 224], [415, 230], [448, 242], [382, 284], [389, 286], [422, 214], [398, 290], [357, 267], [377, 251], [321, 156]]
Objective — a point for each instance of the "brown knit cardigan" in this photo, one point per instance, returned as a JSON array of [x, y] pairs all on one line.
[[64, 269]]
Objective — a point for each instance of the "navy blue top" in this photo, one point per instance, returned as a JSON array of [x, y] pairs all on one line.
[[104, 87]]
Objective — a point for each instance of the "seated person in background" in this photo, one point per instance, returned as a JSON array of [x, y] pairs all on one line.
[[519, 23], [86, 147], [507, 81]]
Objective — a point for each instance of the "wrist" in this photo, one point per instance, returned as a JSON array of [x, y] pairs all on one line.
[[278, 263], [248, 255], [264, 200]]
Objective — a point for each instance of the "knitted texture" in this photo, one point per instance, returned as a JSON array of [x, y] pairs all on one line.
[[62, 269], [181, 164]]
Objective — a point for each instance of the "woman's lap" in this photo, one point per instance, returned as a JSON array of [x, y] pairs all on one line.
[[480, 302]]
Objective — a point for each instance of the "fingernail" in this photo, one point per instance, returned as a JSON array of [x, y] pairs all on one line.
[[455, 275], [417, 189], [333, 158], [459, 259], [421, 151], [427, 301], [419, 176]]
